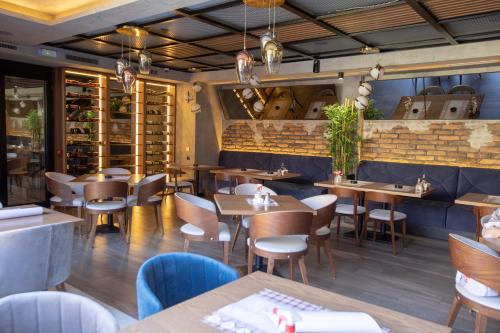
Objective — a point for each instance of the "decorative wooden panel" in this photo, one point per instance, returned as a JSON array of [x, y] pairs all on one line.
[[446, 9], [298, 31]]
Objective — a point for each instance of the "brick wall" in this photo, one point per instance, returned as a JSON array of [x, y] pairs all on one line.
[[460, 142], [300, 137]]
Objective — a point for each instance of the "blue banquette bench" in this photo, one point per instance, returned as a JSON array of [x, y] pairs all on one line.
[[435, 216]]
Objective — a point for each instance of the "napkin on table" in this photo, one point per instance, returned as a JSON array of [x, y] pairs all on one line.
[[12, 213]]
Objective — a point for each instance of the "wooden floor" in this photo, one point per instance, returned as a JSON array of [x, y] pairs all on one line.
[[419, 281]]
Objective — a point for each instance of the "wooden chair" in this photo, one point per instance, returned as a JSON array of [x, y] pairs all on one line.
[[482, 215], [246, 180], [63, 195], [478, 262], [384, 216], [353, 211], [202, 223], [147, 191], [17, 169], [115, 171], [247, 189], [175, 183], [109, 197], [324, 205], [227, 179], [280, 236]]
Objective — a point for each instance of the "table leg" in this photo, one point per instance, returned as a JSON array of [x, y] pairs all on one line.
[[109, 227], [197, 183]]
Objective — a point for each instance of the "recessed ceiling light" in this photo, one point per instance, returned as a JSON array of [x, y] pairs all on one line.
[[194, 70], [369, 49]]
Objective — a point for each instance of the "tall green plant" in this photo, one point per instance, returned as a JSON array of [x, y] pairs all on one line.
[[342, 133], [33, 123]]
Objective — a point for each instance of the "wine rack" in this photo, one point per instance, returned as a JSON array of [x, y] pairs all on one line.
[[84, 97], [159, 133]]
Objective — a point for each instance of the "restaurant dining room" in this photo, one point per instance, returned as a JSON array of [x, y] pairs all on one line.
[[249, 166]]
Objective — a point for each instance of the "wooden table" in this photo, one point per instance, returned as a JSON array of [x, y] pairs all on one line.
[[133, 179], [187, 316], [238, 205], [479, 200], [368, 186], [49, 216], [197, 168], [257, 174]]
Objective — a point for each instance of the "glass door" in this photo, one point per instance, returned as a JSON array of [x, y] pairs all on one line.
[[25, 105]]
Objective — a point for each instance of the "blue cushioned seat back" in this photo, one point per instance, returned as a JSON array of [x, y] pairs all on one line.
[[443, 178], [239, 159], [477, 180], [311, 168], [171, 278]]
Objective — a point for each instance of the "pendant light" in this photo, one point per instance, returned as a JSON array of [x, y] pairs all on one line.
[[145, 59], [129, 75], [244, 59], [273, 50], [266, 36], [120, 65]]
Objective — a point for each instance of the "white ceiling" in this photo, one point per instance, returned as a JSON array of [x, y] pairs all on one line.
[[30, 31]]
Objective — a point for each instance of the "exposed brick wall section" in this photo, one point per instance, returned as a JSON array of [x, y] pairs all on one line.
[[461, 142], [278, 136]]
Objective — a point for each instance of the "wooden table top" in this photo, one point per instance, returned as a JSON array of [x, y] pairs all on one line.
[[493, 243], [133, 179], [256, 173], [368, 186], [238, 205], [201, 167], [49, 216], [479, 200], [187, 316]]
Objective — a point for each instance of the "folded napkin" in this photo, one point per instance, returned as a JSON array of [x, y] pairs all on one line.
[[12, 213], [491, 228]]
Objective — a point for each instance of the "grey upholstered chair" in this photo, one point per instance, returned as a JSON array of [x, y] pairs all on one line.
[[54, 312], [35, 259]]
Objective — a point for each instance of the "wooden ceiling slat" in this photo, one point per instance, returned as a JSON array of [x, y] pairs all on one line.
[[446, 9], [181, 51], [379, 18], [229, 43], [297, 31]]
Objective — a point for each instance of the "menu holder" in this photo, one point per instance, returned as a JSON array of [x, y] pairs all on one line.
[[255, 314]]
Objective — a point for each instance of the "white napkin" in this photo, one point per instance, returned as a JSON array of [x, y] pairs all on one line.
[[12, 213], [494, 221]]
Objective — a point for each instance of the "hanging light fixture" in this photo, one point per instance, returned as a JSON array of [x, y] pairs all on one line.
[[266, 36], [273, 50], [128, 74], [244, 59], [377, 72], [120, 65], [145, 61]]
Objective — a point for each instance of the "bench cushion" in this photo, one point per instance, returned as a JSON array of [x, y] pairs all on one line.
[[461, 218], [424, 213], [298, 191], [443, 178], [239, 159], [311, 168], [477, 180]]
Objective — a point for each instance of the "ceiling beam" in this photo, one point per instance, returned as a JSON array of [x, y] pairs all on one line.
[[429, 17], [308, 17]]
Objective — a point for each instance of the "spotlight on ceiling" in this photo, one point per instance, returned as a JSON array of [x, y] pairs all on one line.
[[340, 76], [316, 66], [369, 49]]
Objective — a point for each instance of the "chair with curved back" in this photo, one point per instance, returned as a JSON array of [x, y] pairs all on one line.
[[108, 197], [478, 262], [246, 180], [202, 222], [385, 216], [147, 195], [63, 195], [482, 214], [17, 169], [324, 205], [247, 189], [115, 171], [175, 183], [225, 179], [168, 279], [280, 236], [54, 312], [353, 210]]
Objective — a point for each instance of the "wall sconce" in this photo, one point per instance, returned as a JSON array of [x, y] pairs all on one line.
[[340, 76], [316, 66]]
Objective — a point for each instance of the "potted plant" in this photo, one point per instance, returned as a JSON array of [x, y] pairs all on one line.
[[371, 112], [33, 123], [342, 133]]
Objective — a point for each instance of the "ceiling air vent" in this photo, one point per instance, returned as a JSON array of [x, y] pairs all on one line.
[[82, 59], [8, 46]]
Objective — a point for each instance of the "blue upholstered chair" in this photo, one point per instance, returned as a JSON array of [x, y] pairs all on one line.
[[168, 279]]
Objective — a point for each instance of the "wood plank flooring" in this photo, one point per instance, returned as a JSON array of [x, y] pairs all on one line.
[[419, 281]]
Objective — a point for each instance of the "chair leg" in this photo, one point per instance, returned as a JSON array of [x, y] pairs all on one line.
[[393, 238], [338, 226], [405, 244], [159, 218], [318, 251], [303, 271], [480, 323], [236, 233], [186, 244], [250, 261], [226, 252], [270, 266], [93, 226], [328, 252], [375, 227], [61, 287], [356, 229], [455, 307], [129, 224], [290, 269]]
